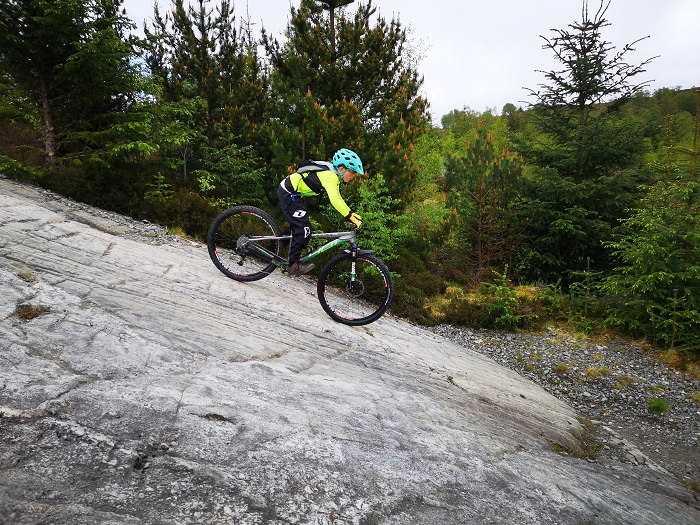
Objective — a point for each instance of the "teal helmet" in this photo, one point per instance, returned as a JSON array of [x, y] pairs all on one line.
[[349, 159]]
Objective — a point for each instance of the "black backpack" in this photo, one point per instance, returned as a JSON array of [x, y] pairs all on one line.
[[307, 168], [308, 165]]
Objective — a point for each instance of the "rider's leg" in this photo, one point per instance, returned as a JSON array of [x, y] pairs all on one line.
[[294, 211]]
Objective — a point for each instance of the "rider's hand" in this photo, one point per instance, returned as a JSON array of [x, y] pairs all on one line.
[[356, 220]]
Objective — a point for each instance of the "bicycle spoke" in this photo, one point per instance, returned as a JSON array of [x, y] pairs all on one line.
[[229, 247], [358, 298]]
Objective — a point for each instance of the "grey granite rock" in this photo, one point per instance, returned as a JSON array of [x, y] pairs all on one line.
[[139, 385]]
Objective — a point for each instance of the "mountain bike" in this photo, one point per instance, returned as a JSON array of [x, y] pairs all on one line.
[[354, 287]]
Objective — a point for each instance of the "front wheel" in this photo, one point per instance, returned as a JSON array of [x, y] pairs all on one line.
[[232, 252], [355, 291]]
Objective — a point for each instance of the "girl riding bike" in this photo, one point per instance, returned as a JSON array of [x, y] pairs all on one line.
[[312, 179]]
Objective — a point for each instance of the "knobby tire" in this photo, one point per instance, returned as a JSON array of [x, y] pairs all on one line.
[[225, 246], [355, 302]]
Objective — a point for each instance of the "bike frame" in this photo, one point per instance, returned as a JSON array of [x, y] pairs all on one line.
[[339, 238]]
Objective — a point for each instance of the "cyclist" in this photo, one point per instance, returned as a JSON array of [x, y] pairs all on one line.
[[312, 179]]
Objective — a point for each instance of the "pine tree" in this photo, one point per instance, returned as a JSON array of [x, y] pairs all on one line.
[[196, 53], [353, 90], [73, 60], [203, 64], [483, 194], [331, 6]]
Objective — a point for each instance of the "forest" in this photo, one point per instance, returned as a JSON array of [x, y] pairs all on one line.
[[580, 210]]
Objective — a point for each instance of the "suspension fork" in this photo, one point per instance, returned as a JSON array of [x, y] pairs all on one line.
[[353, 262]]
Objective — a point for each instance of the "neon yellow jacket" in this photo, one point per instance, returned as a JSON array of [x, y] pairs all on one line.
[[330, 182]]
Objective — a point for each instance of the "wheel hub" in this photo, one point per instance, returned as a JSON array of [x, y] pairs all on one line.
[[355, 288]]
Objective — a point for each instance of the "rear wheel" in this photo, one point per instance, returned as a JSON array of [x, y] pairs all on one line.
[[230, 249], [356, 297]]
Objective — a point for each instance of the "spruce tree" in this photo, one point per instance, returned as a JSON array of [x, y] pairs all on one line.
[[585, 153], [657, 285], [578, 109]]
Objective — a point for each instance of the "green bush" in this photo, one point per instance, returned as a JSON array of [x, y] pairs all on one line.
[[463, 311], [186, 210], [504, 304], [16, 170], [412, 269], [118, 188], [696, 397], [409, 303]]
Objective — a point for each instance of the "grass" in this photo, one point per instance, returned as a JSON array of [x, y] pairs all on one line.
[[681, 362], [589, 443], [177, 231], [27, 277], [692, 370], [658, 405], [27, 312], [625, 380], [561, 369], [595, 372]]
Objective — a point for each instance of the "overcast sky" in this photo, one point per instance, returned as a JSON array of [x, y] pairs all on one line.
[[481, 54]]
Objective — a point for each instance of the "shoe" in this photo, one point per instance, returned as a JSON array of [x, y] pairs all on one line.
[[298, 268]]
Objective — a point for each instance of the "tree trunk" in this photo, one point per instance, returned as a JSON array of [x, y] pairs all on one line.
[[333, 50], [303, 138], [693, 159], [47, 122]]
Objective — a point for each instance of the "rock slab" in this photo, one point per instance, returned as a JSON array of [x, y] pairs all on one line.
[[139, 385]]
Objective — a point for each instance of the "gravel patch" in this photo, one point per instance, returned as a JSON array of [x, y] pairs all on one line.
[[611, 385]]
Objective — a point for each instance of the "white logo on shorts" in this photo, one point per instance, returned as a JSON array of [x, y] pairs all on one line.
[[307, 232], [299, 214]]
